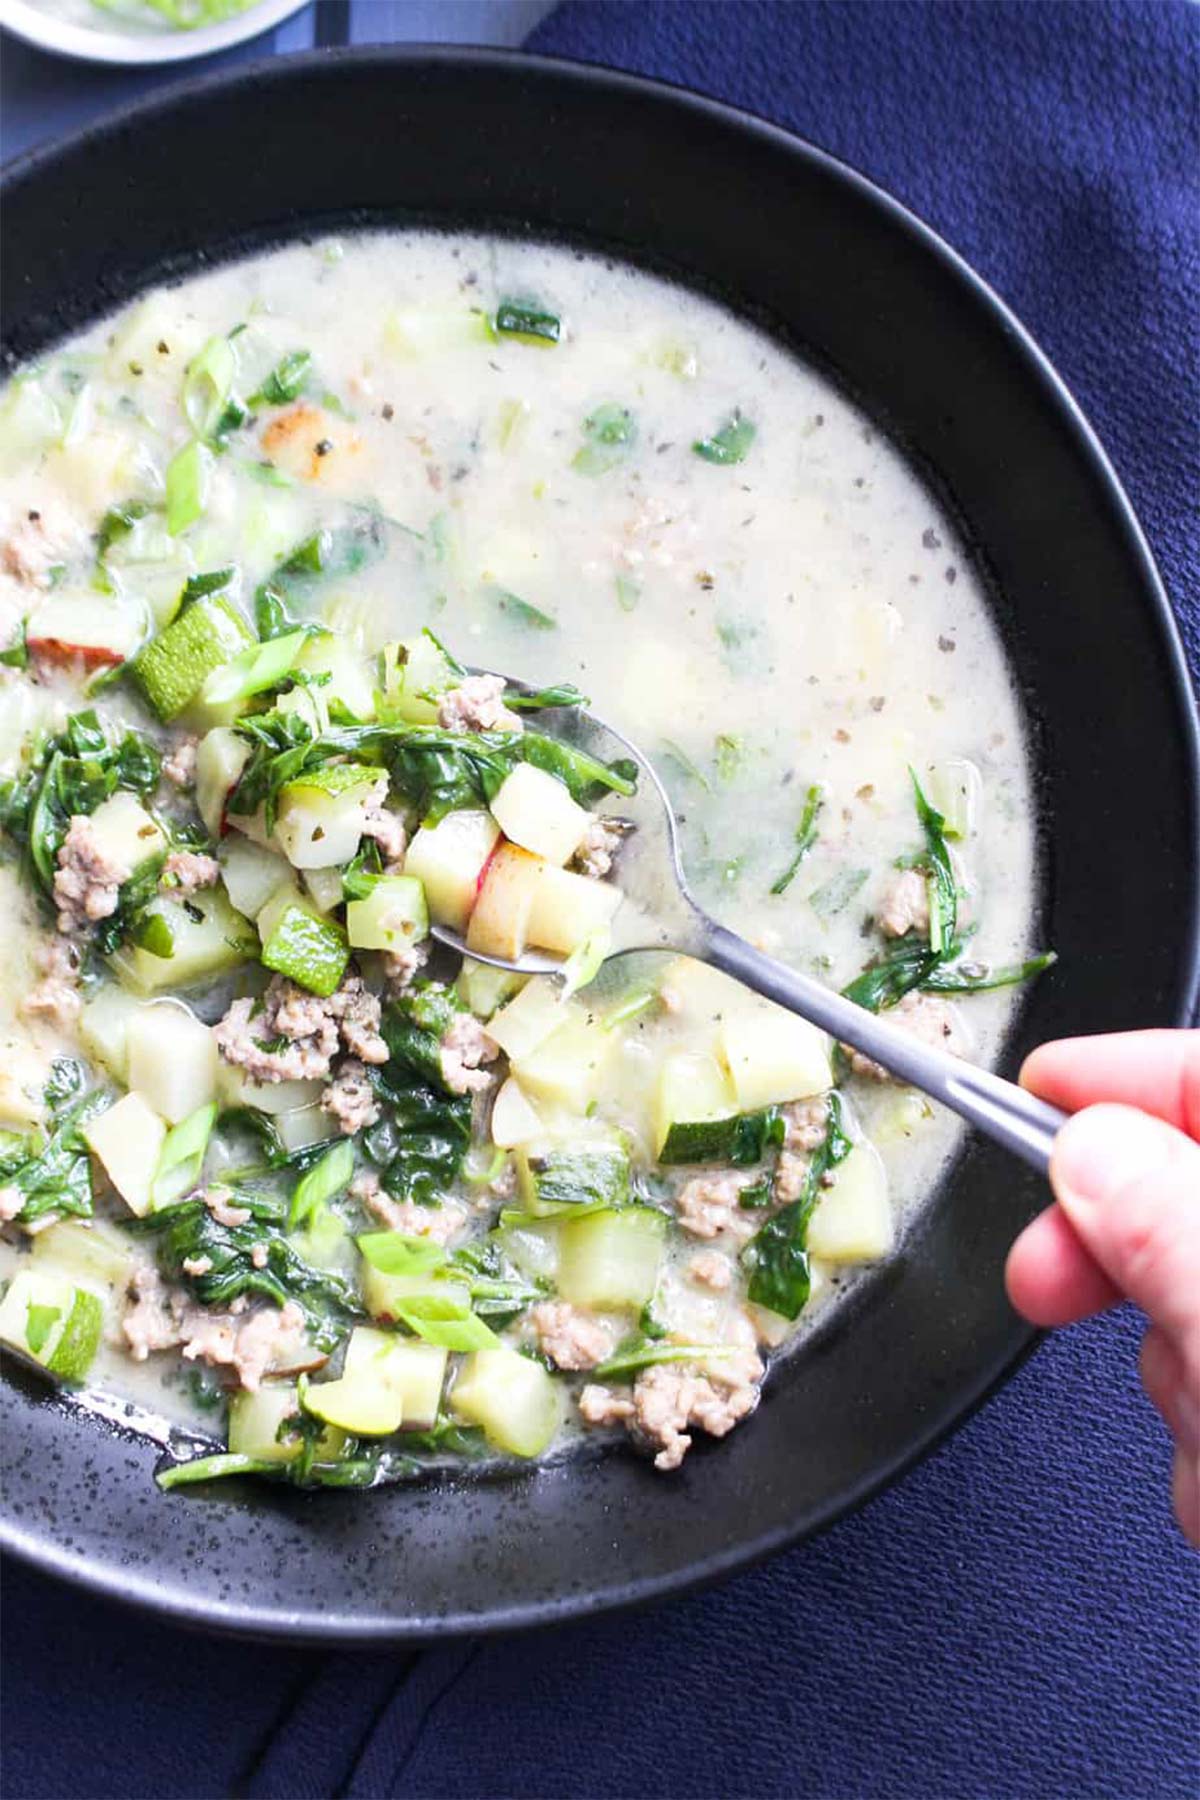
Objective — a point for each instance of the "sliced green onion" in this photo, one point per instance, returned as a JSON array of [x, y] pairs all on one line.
[[640, 1353], [153, 933], [325, 1179], [632, 1007], [806, 837], [254, 670], [523, 612], [584, 962], [212, 1468], [478, 1172], [467, 1332], [611, 432], [628, 593], [208, 385], [730, 443], [837, 892], [287, 380], [187, 479], [392, 1253], [528, 322], [182, 1156]]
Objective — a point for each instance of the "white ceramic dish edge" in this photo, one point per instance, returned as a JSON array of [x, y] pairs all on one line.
[[82, 43]]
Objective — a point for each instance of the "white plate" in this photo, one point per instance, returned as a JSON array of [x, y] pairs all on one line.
[[102, 44]]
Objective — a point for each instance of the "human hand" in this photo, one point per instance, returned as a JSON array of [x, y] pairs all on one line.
[[1126, 1177]]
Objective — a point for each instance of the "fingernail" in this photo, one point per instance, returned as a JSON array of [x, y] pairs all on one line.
[[1101, 1150]]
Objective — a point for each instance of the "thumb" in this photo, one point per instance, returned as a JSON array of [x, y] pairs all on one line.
[[1130, 1187]]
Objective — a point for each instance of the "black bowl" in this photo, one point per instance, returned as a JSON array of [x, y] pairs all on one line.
[[842, 273]]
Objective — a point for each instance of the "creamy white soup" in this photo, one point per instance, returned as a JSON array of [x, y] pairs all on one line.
[[278, 1168]]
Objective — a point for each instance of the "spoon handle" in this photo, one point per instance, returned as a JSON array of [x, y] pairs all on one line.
[[1003, 1111]]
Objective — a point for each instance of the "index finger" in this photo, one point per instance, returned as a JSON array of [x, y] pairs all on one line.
[[1156, 1071]]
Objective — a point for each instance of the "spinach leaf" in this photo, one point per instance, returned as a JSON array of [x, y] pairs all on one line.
[[332, 551], [806, 837], [116, 524], [777, 1257], [55, 1176], [563, 695], [286, 381], [191, 1234], [17, 654], [730, 443]]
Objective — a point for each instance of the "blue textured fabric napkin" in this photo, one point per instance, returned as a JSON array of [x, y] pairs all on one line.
[[1019, 1618]]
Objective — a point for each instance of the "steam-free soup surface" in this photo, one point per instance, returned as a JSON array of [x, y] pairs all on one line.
[[570, 472]]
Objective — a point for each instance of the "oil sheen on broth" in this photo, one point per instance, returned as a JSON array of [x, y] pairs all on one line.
[[802, 617]]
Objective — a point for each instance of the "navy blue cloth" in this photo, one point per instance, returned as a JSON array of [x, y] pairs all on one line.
[[1019, 1618]]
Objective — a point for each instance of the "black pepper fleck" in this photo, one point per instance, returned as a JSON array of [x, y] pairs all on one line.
[[952, 574], [323, 446], [388, 410], [947, 644], [930, 539]]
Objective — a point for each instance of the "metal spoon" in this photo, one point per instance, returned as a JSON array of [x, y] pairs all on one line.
[[658, 913]]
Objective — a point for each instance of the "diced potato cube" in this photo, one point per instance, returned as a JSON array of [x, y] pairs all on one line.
[[852, 1221], [221, 755], [251, 873], [448, 860], [208, 937], [569, 908], [514, 1120], [104, 1028], [568, 1066], [128, 1140], [773, 1056], [125, 832], [172, 1060], [528, 1020], [320, 821], [499, 923], [94, 1250], [535, 810]]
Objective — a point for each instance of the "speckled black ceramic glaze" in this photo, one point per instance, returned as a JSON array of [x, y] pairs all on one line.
[[834, 268]]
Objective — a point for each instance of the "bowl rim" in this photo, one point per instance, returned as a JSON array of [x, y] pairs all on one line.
[[264, 1623], [135, 50]]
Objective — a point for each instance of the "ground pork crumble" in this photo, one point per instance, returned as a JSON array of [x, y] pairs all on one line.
[[465, 1046], [926, 1017], [601, 841], [401, 967], [670, 1399], [268, 1340], [56, 996], [38, 541], [438, 1223], [387, 829], [707, 1205], [477, 704], [571, 1338], [905, 905], [350, 1098], [187, 871], [88, 881], [179, 766], [315, 1030]]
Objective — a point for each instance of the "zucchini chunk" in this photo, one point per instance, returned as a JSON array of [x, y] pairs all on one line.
[[611, 1259], [512, 1397], [174, 666], [53, 1322]]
